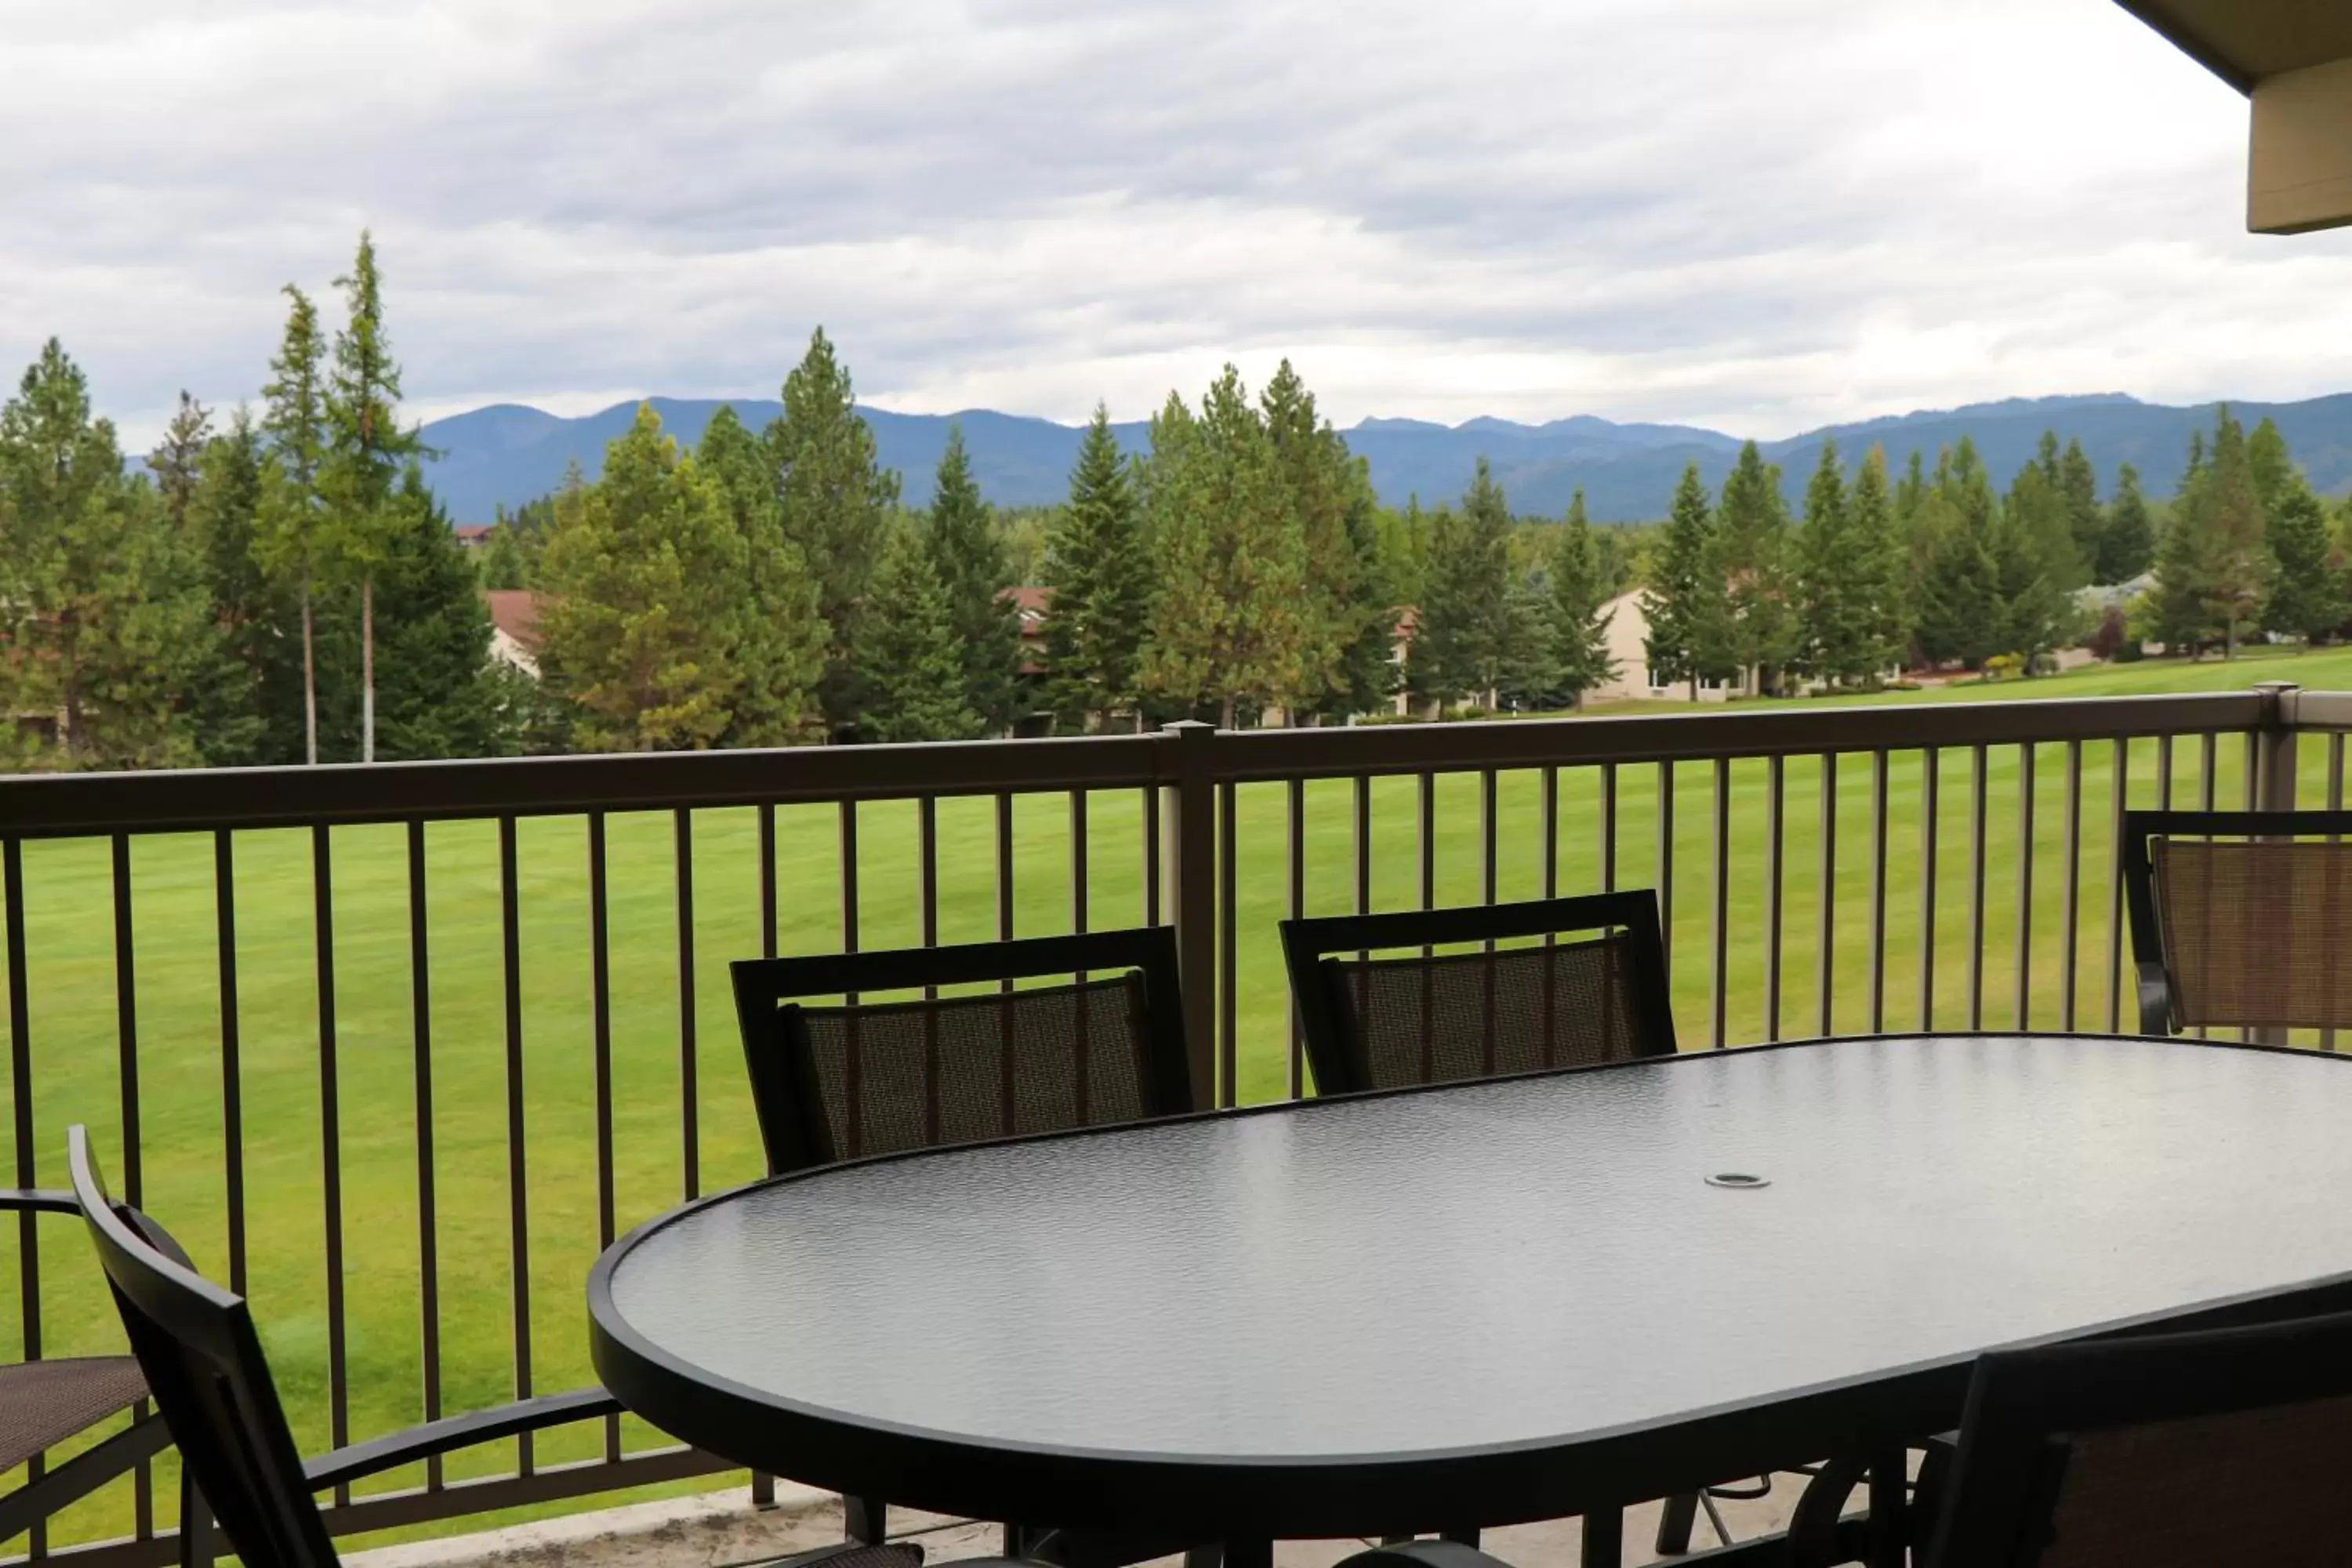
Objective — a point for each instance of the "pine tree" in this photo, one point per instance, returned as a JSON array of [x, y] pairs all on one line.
[[2032, 549], [1368, 674], [1878, 575], [780, 649], [1095, 566], [438, 694], [2086, 520], [1683, 603], [250, 612], [2306, 596], [366, 452], [1466, 627], [1832, 639], [1909, 491], [2271, 465], [967, 556], [915, 675], [1229, 608], [2127, 543], [835, 501], [502, 565], [1318, 484], [1757, 631], [1960, 614], [176, 460], [293, 532], [2237, 560], [644, 572], [101, 604], [1577, 626]]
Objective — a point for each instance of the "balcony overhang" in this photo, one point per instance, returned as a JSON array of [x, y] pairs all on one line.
[[2293, 59]]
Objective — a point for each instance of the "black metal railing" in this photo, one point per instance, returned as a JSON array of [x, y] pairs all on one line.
[[399, 1048]]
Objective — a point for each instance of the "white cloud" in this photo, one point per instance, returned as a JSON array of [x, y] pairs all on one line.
[[1763, 215]]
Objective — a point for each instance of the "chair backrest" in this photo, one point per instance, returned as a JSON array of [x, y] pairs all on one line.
[[1391, 1023], [2165, 1451], [204, 1364], [841, 1082], [2240, 918]]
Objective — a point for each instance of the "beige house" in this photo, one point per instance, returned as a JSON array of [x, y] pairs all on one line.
[[1629, 647]]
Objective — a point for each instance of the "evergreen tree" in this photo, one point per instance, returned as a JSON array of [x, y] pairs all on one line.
[[1909, 492], [1878, 575], [1757, 631], [2086, 520], [2307, 596], [1466, 627], [2229, 517], [366, 452], [502, 565], [1576, 628], [834, 501], [1228, 618], [1318, 484], [1368, 674], [916, 679], [2127, 544], [968, 558], [780, 649], [438, 693], [1095, 566], [293, 530], [1960, 614], [176, 460], [2032, 548], [2272, 468], [101, 604], [1683, 602], [1832, 637], [645, 571], [251, 613]]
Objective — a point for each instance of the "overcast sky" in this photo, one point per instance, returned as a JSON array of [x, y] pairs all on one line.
[[1758, 214]]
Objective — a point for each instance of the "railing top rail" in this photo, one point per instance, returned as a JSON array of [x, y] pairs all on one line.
[[192, 800], [74, 805], [1672, 737]]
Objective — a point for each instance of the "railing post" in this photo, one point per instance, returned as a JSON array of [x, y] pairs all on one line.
[[2275, 772], [1189, 819]]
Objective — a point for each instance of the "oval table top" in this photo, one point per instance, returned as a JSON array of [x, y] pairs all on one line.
[[1476, 1303]]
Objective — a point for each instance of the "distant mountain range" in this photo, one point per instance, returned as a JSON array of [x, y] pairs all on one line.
[[507, 454]]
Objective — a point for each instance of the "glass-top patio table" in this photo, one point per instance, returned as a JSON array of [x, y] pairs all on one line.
[[1476, 1304]]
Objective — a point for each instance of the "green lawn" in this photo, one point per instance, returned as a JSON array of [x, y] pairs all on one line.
[[74, 1039]]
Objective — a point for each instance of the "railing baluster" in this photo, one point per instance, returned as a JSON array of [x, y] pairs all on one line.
[[2335, 803], [1228, 979], [1488, 832], [2207, 790], [232, 1050], [1825, 953], [1004, 872], [1425, 827], [1079, 862], [1879, 766], [2118, 785], [429, 1229], [1977, 806], [1667, 862], [517, 1182], [20, 1093], [1362, 836], [1154, 911], [1548, 829], [126, 1040], [2070, 960], [1776, 807], [767, 819], [1294, 816], [1609, 827], [600, 1009], [1720, 977], [689, 1076], [330, 1142], [1931, 792], [2024, 976]]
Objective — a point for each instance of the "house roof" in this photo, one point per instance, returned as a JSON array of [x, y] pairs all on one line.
[[474, 532], [1029, 601], [516, 612], [2243, 41]]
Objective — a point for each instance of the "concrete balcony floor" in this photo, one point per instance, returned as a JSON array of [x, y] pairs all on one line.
[[721, 1529]]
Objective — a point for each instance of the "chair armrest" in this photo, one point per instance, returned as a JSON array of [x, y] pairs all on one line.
[[2155, 987], [1424, 1554], [455, 1432], [37, 1200]]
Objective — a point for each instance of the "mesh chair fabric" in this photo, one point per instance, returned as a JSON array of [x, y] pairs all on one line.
[[2256, 1486], [43, 1403], [1469, 1015], [915, 1074], [2256, 934]]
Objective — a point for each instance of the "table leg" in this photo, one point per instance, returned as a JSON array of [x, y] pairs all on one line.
[[1889, 1531], [1604, 1539], [1675, 1522]]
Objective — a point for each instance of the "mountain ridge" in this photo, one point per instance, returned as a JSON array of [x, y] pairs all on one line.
[[508, 453]]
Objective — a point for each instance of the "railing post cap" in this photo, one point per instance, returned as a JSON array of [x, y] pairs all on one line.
[[1187, 727], [2268, 686]]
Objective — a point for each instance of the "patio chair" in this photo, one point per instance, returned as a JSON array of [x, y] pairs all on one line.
[[46, 1403], [194, 1343], [849, 1081], [2159, 1451], [2240, 918], [1374, 1023]]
